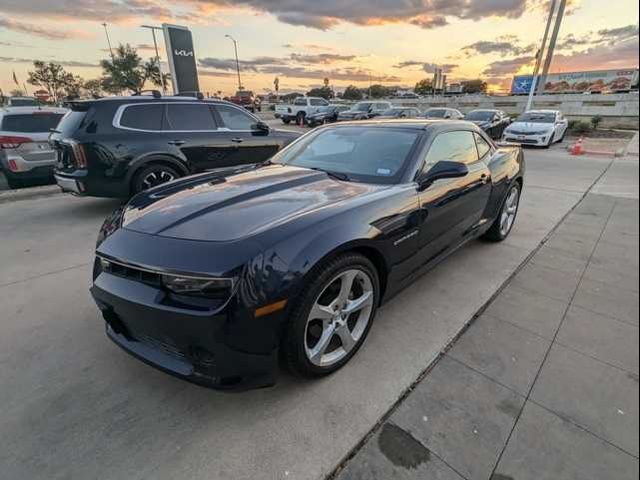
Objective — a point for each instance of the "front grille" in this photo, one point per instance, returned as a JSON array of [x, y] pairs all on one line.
[[164, 347], [131, 273]]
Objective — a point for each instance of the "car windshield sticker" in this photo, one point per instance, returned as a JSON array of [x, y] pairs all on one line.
[[384, 171]]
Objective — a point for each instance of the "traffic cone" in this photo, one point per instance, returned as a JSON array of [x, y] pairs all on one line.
[[577, 147]]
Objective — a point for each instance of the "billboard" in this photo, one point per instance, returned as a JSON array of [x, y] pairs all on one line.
[[182, 58], [580, 82]]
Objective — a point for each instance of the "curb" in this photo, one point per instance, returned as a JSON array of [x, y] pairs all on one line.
[[29, 193]]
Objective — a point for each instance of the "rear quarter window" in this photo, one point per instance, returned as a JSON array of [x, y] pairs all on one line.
[[38, 122], [142, 117]]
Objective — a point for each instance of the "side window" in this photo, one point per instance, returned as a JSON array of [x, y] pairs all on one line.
[[300, 102], [483, 147], [234, 118], [142, 117], [315, 102], [452, 146], [189, 117]]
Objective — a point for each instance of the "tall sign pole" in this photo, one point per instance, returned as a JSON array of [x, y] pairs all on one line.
[[182, 59], [536, 70], [155, 46], [552, 46]]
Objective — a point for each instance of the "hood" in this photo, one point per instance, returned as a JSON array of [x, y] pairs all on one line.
[[529, 127], [226, 209]]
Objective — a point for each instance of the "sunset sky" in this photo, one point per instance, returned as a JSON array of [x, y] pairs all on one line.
[[397, 42]]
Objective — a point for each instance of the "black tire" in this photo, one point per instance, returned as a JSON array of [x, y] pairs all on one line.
[[164, 173], [286, 121], [293, 344], [495, 233]]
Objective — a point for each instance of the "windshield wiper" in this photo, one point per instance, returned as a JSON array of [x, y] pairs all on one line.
[[337, 175]]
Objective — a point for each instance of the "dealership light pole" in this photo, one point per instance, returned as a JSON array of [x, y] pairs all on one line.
[[539, 56], [235, 47], [155, 46], [106, 32], [552, 46]]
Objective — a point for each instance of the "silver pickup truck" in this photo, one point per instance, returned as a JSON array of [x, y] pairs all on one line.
[[299, 109]]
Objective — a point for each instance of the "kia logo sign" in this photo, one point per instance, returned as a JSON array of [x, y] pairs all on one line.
[[182, 58]]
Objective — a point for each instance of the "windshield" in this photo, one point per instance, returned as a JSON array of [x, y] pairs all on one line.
[[393, 111], [30, 122], [537, 117], [371, 155], [361, 107], [480, 115], [435, 113]]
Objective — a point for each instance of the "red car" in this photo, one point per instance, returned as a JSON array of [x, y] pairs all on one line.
[[246, 99]]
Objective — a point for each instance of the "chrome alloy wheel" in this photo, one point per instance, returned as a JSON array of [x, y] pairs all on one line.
[[509, 210], [339, 317], [157, 177]]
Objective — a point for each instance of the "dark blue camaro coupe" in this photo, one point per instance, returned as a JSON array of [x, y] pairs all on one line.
[[218, 278]]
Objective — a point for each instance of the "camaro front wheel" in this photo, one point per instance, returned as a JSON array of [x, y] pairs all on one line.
[[333, 316]]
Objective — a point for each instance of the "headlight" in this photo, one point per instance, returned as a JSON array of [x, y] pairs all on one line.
[[110, 225], [198, 286]]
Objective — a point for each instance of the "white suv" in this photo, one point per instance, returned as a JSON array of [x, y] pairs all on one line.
[[25, 154]]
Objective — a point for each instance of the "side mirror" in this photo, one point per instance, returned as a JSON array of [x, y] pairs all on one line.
[[261, 127], [441, 170]]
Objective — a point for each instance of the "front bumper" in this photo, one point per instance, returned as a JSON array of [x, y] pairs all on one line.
[[217, 349], [536, 140]]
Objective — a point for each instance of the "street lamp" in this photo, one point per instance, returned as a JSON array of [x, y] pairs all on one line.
[[155, 45], [235, 47], [106, 32]]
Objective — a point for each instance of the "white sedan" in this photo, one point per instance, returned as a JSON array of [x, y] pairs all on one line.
[[537, 127]]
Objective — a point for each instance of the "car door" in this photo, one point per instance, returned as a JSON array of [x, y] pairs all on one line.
[[244, 143], [452, 208], [191, 128]]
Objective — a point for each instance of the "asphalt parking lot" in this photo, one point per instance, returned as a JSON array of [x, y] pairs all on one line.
[[76, 406]]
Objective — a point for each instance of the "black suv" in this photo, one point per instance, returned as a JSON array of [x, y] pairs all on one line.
[[119, 146]]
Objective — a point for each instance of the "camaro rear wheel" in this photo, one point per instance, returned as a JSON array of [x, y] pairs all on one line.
[[503, 224], [333, 317]]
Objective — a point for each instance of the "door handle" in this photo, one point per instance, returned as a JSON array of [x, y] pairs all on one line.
[[177, 143], [236, 140]]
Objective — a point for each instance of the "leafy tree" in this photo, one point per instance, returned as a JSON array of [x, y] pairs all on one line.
[[596, 121], [423, 87], [54, 79], [291, 96], [324, 92], [127, 71], [352, 93], [379, 91], [93, 87], [474, 86]]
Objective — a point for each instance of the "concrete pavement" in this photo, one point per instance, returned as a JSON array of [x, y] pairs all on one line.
[[544, 383], [75, 406]]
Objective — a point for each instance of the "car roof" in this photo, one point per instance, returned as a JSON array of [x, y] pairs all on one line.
[[31, 109], [412, 123], [542, 111]]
